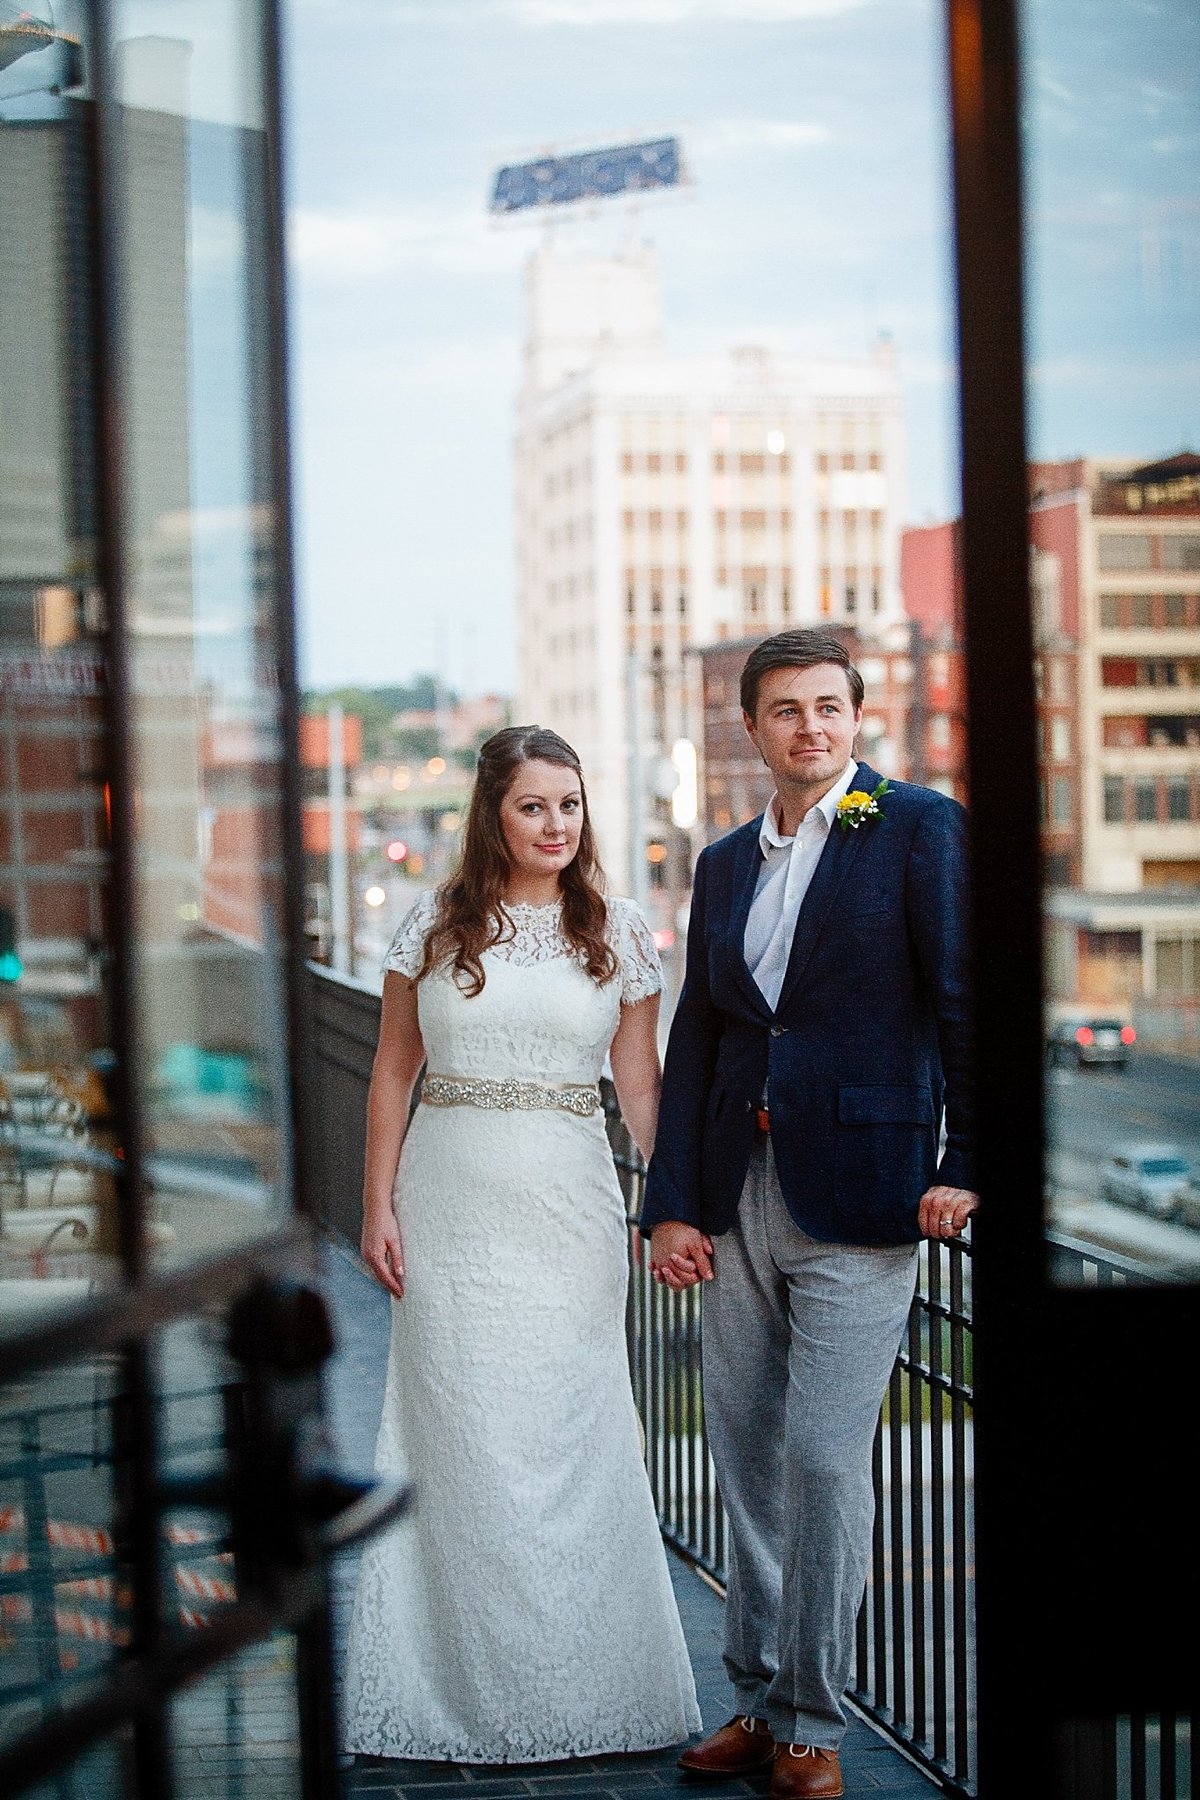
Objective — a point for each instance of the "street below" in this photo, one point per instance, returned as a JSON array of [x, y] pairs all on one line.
[[1089, 1112]]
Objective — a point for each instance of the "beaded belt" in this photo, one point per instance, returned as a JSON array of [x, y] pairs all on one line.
[[509, 1094]]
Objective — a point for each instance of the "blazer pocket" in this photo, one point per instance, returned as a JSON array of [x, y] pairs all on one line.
[[886, 1104]]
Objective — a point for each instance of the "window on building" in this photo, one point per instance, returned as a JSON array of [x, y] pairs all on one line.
[[1056, 869], [655, 601], [683, 604], [1110, 611], [1060, 739], [630, 601], [1118, 671], [1174, 966], [1178, 731], [851, 599], [1178, 799], [1181, 552], [1114, 800], [1060, 679], [1062, 800], [939, 731], [1123, 550], [1141, 611], [1176, 611], [1145, 800]]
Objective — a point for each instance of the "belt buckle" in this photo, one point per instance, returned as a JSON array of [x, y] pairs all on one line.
[[762, 1119]]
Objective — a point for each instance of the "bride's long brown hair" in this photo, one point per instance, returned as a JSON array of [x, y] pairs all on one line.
[[470, 912]]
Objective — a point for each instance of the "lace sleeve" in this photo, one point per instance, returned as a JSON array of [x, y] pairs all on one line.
[[408, 946], [641, 971]]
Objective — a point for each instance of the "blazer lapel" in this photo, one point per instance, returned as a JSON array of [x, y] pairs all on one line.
[[836, 860], [745, 880]]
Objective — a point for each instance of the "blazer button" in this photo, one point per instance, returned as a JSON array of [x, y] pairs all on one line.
[[778, 1030]]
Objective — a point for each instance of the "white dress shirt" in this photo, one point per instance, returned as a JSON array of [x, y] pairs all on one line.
[[788, 866]]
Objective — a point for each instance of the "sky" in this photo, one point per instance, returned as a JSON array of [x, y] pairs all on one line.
[[816, 135]]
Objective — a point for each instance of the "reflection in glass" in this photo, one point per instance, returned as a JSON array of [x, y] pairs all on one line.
[[201, 602], [65, 1584], [238, 1727], [1113, 252], [57, 1189]]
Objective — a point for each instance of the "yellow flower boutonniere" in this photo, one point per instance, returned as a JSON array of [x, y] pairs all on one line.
[[855, 808]]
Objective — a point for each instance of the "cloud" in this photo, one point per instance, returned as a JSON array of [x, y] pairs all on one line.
[[673, 12], [729, 136], [538, 14], [345, 246]]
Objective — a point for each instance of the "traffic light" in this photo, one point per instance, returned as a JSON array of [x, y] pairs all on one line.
[[11, 966]]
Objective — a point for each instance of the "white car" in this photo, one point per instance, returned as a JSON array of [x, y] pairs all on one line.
[[1152, 1177]]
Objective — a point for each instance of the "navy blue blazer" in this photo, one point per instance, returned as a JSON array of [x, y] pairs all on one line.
[[868, 1044]]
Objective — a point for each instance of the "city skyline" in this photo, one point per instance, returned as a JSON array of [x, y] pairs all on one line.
[[815, 131]]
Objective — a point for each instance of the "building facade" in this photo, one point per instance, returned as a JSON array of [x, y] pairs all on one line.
[[667, 502], [1119, 548]]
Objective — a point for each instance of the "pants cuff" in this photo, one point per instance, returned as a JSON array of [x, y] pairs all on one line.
[[805, 1728]]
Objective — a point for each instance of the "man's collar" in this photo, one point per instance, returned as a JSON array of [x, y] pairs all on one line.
[[769, 837]]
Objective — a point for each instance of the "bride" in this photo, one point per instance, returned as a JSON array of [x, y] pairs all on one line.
[[525, 1612]]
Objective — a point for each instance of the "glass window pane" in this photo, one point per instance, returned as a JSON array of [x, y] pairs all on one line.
[[58, 1225], [64, 1586], [1145, 800], [1113, 240], [1181, 551], [1123, 550], [204, 618], [234, 1734]]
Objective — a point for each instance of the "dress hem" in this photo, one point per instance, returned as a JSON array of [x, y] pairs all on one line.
[[470, 1759]]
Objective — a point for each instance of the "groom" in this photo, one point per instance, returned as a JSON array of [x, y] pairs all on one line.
[[821, 1032]]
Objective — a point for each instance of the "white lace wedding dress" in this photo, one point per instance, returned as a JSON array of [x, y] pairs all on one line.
[[524, 1612]]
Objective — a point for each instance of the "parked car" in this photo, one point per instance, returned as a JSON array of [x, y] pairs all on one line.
[[1090, 1042], [1155, 1178], [1189, 1204]]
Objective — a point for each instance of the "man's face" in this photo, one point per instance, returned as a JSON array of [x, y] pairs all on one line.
[[804, 725]]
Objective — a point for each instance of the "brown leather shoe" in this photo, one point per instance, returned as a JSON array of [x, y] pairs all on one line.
[[738, 1748], [802, 1772]]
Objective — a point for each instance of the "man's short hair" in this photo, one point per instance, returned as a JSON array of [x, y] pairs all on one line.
[[799, 649]]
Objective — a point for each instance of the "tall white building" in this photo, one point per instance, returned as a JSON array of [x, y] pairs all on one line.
[[667, 501]]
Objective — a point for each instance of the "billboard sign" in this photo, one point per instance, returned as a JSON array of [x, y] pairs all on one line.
[[587, 175]]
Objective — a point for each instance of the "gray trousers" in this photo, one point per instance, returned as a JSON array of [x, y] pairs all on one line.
[[799, 1340]]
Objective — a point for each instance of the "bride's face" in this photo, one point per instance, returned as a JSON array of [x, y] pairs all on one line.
[[541, 817]]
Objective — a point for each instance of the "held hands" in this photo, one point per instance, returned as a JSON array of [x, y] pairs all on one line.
[[680, 1255], [382, 1250], [944, 1211]]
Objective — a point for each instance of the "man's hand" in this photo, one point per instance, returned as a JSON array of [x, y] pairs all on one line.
[[944, 1211], [680, 1255]]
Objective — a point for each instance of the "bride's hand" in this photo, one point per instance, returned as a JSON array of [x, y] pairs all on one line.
[[383, 1251]]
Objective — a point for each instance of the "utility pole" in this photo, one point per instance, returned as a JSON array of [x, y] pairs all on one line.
[[341, 956], [637, 782]]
